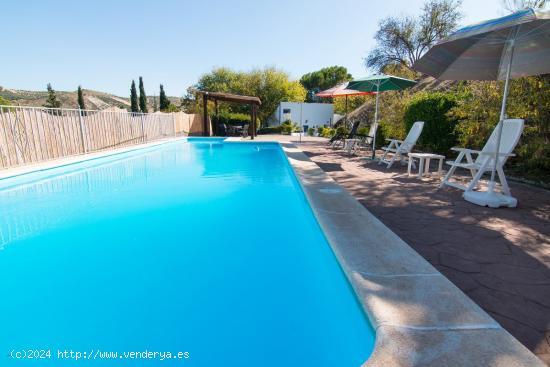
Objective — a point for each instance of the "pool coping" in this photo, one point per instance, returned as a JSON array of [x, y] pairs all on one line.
[[12, 172], [419, 316]]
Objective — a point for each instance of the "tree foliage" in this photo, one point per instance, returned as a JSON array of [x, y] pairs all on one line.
[[529, 99], [52, 101], [134, 107], [438, 135], [353, 102], [172, 108], [142, 97], [271, 85], [403, 40], [81, 103], [163, 100], [323, 79]]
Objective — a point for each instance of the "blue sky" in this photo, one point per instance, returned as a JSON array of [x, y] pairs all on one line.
[[102, 45]]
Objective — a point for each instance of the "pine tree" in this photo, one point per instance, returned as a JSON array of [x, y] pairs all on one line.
[[81, 104], [52, 101], [164, 101], [142, 97], [133, 98]]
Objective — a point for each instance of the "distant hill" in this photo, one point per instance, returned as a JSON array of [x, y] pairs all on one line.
[[94, 100]]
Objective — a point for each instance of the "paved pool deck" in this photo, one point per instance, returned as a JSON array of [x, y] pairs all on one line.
[[499, 258]]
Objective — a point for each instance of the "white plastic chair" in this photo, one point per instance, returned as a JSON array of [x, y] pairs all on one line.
[[484, 162], [399, 148]]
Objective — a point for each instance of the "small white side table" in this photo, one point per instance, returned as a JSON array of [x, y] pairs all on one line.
[[424, 163]]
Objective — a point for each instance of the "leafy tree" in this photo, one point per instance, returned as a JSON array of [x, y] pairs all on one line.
[[322, 79], [271, 85], [188, 102], [81, 103], [164, 101], [515, 5], [403, 40], [142, 96], [52, 101], [133, 98]]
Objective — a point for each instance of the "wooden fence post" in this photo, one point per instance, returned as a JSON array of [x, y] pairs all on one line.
[[143, 136], [81, 130]]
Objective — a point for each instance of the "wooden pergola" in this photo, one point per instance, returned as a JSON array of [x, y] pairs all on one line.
[[253, 102]]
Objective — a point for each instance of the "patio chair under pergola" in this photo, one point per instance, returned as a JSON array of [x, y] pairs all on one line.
[[253, 102]]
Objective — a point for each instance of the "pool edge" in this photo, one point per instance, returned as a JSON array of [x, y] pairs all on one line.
[[59, 162], [420, 318]]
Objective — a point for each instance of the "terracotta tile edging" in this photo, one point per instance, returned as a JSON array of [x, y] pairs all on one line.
[[420, 317]]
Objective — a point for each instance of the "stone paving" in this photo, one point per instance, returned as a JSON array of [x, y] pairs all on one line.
[[499, 258]]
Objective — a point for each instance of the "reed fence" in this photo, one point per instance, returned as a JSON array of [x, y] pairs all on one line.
[[34, 134]]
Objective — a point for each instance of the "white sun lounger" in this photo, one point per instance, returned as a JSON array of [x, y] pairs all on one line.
[[484, 162], [399, 148]]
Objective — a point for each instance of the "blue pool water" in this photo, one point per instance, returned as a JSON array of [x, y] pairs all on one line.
[[205, 248]]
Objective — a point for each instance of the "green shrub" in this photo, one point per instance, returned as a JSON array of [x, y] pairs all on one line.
[[172, 108], [270, 130], [327, 132], [342, 130], [311, 131], [363, 131], [288, 127], [4, 102], [231, 118], [433, 108]]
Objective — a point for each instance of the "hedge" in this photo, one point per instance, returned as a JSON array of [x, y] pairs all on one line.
[[433, 108]]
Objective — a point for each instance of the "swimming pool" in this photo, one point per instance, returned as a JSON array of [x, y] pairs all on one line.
[[203, 247]]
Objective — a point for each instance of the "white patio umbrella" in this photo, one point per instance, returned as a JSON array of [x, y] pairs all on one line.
[[510, 47]]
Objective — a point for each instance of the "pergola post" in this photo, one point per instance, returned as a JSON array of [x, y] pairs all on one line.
[[205, 130]]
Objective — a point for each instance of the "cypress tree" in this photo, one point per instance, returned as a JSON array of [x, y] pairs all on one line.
[[142, 97], [52, 101], [133, 98], [164, 101], [81, 104]]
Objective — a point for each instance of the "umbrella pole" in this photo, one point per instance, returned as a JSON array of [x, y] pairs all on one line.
[[490, 197], [502, 115], [346, 117], [375, 122]]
